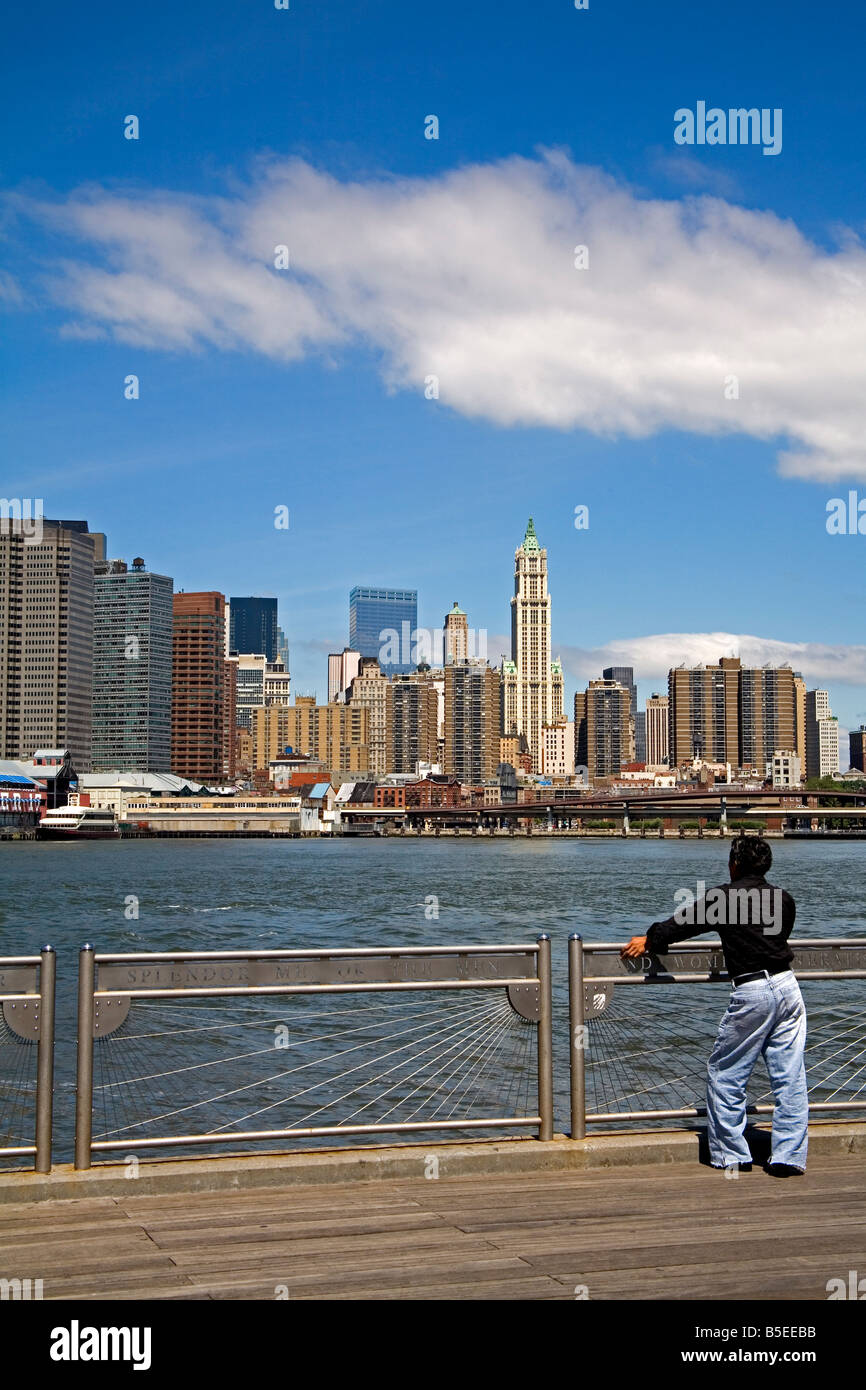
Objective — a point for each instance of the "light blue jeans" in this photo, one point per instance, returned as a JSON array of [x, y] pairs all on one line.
[[766, 1018]]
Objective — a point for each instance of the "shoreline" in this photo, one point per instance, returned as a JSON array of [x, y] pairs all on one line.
[[801, 836]]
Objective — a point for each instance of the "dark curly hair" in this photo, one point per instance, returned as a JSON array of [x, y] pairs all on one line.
[[751, 855]]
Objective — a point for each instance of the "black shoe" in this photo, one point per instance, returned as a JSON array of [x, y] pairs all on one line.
[[783, 1170]]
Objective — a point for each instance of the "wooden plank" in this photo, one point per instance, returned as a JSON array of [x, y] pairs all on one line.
[[341, 1250], [523, 1290], [213, 1236], [626, 1259], [44, 1266]]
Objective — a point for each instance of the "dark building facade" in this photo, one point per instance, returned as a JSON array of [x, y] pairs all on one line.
[[253, 626]]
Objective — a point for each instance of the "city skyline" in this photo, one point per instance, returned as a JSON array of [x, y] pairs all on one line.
[[644, 685], [262, 388], [619, 673]]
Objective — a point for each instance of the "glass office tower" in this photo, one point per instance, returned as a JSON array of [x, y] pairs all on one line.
[[132, 668], [253, 626], [382, 624]]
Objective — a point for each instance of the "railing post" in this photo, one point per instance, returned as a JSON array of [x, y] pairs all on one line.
[[45, 1060], [577, 1028], [84, 1073], [545, 1040]]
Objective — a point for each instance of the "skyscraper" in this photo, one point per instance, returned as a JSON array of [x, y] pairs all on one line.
[[343, 667], [800, 720], [857, 748], [603, 728], [624, 675], [259, 683], [416, 721], [46, 638], [703, 713], [371, 690], [640, 736], [531, 684], [457, 636], [283, 649], [382, 624], [132, 668], [202, 730], [657, 730], [472, 720], [253, 626], [822, 735], [768, 717], [559, 748], [731, 714], [336, 734]]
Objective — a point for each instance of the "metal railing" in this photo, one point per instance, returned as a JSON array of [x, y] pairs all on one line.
[[110, 985], [596, 970], [27, 994]]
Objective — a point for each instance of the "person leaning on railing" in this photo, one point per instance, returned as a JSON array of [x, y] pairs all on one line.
[[766, 1015]]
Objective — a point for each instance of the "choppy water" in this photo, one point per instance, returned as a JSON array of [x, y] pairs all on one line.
[[259, 894]]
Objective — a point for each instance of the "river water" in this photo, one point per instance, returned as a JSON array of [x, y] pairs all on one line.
[[150, 895]]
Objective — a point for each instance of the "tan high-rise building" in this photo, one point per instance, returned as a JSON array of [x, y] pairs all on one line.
[[371, 690], [532, 684], [456, 636], [202, 722], [603, 730], [336, 734], [559, 748], [731, 714], [800, 720], [703, 713], [472, 715], [657, 731], [343, 667], [768, 718], [416, 721], [46, 637]]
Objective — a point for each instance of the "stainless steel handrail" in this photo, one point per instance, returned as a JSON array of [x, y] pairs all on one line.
[[90, 996], [638, 972], [41, 996]]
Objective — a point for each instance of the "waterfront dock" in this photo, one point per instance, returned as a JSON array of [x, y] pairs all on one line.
[[615, 1218]]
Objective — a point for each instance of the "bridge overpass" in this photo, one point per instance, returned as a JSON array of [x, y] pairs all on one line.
[[716, 806]]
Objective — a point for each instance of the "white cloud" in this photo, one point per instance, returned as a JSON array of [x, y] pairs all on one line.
[[470, 276], [652, 657]]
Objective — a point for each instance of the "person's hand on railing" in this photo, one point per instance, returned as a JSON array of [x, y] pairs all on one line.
[[635, 947]]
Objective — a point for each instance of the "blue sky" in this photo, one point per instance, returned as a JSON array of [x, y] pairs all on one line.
[[134, 257]]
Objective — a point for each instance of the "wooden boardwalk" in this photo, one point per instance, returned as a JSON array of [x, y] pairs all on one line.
[[657, 1231]]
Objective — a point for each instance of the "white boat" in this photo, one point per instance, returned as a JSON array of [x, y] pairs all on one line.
[[78, 823]]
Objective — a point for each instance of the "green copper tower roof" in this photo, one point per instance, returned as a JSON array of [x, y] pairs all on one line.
[[530, 540], [457, 609]]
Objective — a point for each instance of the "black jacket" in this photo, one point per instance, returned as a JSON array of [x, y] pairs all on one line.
[[753, 920]]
